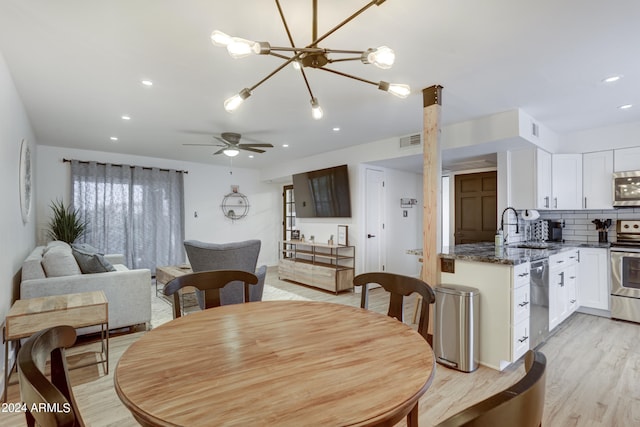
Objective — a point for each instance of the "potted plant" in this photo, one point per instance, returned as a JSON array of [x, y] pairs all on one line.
[[66, 223]]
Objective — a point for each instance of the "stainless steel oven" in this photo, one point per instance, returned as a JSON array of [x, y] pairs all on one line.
[[626, 188], [625, 272]]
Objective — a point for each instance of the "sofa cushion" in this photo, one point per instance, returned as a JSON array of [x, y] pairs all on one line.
[[86, 248], [92, 262], [56, 244], [59, 261]]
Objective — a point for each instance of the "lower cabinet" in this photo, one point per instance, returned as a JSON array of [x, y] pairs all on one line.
[[593, 286], [563, 277]]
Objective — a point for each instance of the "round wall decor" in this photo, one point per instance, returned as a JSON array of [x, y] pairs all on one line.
[[25, 180], [235, 206]]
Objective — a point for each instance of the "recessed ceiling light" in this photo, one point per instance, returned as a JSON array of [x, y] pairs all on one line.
[[611, 79], [285, 145], [114, 138], [147, 82], [126, 118], [336, 129], [251, 156], [625, 106]]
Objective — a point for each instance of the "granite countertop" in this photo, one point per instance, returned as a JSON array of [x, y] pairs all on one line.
[[509, 254]]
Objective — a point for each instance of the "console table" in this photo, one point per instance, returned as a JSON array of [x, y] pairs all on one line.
[[324, 266], [28, 316]]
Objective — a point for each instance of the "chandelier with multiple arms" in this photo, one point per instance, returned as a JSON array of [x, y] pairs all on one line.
[[311, 55]]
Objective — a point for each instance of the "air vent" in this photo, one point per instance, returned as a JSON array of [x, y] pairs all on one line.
[[410, 141], [534, 129]]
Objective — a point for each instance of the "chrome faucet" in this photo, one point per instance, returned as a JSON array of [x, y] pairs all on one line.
[[502, 224]]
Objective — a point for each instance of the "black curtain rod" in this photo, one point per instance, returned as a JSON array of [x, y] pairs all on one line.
[[119, 165]]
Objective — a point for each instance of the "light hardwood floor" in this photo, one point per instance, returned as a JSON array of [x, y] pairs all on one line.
[[593, 374]]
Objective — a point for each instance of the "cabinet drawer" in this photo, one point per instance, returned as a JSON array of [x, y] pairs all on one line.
[[521, 304], [521, 275], [521, 339]]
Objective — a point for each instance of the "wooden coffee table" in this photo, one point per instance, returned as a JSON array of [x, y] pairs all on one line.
[[167, 273], [28, 316]]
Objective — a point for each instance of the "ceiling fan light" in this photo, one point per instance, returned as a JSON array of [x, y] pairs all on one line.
[[399, 90], [232, 104], [382, 57], [231, 152], [240, 48], [316, 109], [220, 39]]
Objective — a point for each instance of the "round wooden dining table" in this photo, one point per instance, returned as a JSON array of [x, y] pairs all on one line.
[[276, 363]]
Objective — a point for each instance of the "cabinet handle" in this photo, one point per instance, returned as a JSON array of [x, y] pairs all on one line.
[[560, 261], [524, 304], [555, 202], [572, 277], [585, 203], [523, 339], [561, 280], [572, 301], [546, 201], [523, 274]]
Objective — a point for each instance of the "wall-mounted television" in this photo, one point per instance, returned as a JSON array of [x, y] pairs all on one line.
[[322, 193]]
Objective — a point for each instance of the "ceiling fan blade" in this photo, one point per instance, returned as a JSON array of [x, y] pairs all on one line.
[[204, 145], [220, 151], [255, 150], [255, 145], [225, 142]]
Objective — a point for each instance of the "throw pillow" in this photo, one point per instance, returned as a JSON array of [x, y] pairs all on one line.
[[92, 263], [58, 261], [86, 248], [57, 244]]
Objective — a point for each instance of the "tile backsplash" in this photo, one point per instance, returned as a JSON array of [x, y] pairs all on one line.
[[578, 226]]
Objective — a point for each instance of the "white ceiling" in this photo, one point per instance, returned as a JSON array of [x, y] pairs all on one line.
[[78, 64]]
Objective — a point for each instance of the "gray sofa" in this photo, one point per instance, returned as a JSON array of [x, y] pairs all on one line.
[[228, 256], [53, 270]]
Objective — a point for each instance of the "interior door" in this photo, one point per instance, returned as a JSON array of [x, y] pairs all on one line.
[[374, 220], [476, 206]]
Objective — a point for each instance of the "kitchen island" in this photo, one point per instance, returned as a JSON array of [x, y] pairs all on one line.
[[502, 275]]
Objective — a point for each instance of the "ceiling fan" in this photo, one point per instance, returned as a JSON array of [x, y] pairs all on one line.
[[231, 145]]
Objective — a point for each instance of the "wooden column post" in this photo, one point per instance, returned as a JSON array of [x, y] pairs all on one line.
[[431, 187]]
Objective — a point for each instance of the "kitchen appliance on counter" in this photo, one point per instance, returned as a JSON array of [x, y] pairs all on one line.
[[539, 314], [626, 188], [625, 271], [555, 230]]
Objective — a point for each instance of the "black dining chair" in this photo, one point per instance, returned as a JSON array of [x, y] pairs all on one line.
[[520, 405], [37, 389], [210, 282]]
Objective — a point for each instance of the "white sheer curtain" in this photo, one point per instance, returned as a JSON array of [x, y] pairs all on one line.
[[132, 210]]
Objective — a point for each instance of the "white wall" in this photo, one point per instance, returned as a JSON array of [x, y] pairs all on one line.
[[18, 238], [205, 187]]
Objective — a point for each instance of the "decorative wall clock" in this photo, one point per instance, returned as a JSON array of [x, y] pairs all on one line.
[[25, 180]]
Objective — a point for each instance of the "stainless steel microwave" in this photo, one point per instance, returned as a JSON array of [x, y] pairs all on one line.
[[626, 188]]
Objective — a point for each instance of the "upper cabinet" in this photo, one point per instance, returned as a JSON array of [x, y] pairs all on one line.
[[627, 159], [566, 174], [597, 170], [530, 179]]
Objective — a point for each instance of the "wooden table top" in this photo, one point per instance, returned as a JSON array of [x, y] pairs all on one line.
[[275, 363]]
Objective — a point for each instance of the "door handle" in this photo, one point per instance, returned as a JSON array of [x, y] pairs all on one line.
[[370, 236]]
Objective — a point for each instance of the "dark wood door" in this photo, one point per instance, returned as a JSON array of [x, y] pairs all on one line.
[[476, 207]]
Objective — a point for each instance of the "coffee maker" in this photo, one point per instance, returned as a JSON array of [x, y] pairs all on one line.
[[555, 230]]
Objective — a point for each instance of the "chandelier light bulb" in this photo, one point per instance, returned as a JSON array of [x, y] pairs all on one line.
[[231, 152], [220, 39], [241, 48], [316, 109], [382, 57], [232, 104], [296, 65], [399, 90]]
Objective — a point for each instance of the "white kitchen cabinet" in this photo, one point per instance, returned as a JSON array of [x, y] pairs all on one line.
[[566, 173], [597, 170], [504, 300], [563, 296], [530, 179], [626, 159], [593, 283]]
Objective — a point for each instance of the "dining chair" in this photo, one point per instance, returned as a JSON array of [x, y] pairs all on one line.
[[210, 283], [399, 286], [36, 389], [520, 405]]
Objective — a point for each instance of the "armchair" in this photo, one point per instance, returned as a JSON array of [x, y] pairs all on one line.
[[228, 256]]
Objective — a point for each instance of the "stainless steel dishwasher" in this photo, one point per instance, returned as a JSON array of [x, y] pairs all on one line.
[[539, 315]]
